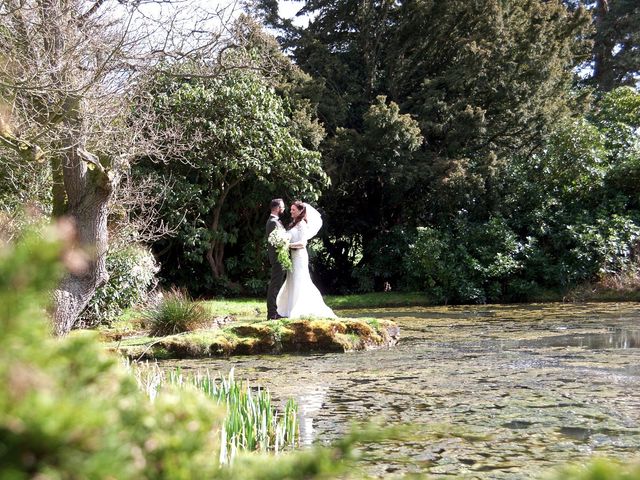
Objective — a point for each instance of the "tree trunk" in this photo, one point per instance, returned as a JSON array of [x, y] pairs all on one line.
[[603, 70], [215, 257], [215, 252], [88, 193], [77, 288], [87, 186]]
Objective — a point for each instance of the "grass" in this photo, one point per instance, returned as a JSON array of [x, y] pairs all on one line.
[[240, 308], [175, 313], [251, 422], [250, 308], [379, 300], [254, 309]]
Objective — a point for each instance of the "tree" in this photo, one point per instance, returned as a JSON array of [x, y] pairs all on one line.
[[65, 68], [615, 37], [575, 202], [375, 172], [483, 81], [616, 48], [239, 141]]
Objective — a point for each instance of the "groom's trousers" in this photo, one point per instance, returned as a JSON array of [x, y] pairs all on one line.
[[276, 281]]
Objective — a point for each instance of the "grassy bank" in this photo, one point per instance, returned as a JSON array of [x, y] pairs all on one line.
[[255, 309], [262, 337], [178, 327]]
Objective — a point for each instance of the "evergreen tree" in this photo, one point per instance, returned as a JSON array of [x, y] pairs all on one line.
[[482, 81], [615, 57], [616, 48]]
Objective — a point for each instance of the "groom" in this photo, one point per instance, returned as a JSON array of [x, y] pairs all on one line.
[[277, 272]]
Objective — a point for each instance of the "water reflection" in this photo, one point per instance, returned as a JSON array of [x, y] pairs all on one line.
[[490, 392], [310, 401], [612, 339]]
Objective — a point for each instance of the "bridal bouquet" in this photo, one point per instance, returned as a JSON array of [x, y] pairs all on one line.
[[280, 241]]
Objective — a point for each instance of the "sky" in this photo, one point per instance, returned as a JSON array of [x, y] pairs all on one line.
[[186, 14], [288, 9]]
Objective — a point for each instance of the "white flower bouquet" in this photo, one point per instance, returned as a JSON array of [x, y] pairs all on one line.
[[279, 239]]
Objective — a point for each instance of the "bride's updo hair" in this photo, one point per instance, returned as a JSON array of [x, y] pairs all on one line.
[[303, 214]]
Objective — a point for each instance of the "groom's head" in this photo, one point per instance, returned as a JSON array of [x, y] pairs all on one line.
[[277, 206]]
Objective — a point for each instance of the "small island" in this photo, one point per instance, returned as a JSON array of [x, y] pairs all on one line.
[[263, 337]]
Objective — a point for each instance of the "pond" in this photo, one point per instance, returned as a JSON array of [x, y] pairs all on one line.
[[495, 391]]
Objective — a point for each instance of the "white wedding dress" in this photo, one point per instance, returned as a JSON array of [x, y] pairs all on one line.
[[299, 297]]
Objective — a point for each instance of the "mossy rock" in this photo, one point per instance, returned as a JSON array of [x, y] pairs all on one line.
[[260, 329], [315, 335], [268, 337]]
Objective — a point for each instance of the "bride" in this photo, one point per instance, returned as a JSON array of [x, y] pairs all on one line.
[[299, 297]]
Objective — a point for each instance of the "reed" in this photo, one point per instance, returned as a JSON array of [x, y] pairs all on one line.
[[252, 423]]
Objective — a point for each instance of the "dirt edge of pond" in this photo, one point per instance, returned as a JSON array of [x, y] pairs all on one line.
[[266, 337]]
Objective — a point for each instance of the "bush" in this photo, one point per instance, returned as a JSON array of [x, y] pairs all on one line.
[[383, 263], [604, 246], [585, 248], [175, 313], [469, 263], [70, 410], [256, 286], [132, 271]]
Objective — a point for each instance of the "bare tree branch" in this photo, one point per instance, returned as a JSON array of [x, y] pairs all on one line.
[[68, 72]]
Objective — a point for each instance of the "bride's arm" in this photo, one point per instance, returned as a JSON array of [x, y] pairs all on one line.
[[296, 245]]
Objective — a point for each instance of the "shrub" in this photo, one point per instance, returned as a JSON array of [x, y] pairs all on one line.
[[604, 246], [256, 286], [70, 410], [469, 263], [383, 264], [175, 313], [132, 271]]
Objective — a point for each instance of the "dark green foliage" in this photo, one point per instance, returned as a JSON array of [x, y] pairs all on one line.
[[456, 123], [572, 202], [618, 117], [472, 263], [567, 214], [616, 43], [470, 86], [385, 263], [175, 313], [242, 153]]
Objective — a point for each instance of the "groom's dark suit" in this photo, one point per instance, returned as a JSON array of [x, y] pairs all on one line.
[[277, 272]]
